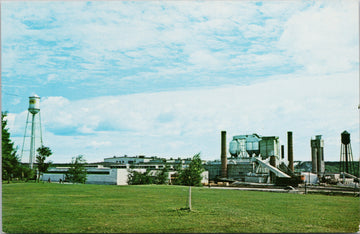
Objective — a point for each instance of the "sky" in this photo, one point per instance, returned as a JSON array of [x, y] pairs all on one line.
[[164, 78]]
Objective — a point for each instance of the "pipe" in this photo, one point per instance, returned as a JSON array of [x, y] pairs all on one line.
[[223, 155], [290, 150], [272, 163], [320, 156], [282, 151], [314, 164]]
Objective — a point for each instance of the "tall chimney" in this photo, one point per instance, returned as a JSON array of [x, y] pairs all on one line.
[[282, 152], [290, 150], [272, 174], [314, 164], [223, 155], [320, 155]]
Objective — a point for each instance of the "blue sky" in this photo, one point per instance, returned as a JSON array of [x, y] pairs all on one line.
[[164, 78]]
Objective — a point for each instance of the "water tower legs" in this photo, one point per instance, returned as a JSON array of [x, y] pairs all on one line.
[[32, 143]]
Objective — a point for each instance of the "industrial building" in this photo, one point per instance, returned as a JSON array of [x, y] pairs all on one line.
[[260, 159], [115, 170], [254, 158]]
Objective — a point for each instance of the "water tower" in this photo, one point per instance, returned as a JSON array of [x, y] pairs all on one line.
[[36, 133], [346, 157]]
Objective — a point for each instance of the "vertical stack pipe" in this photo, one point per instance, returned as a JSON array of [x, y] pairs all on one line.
[[314, 168], [320, 155], [317, 155], [290, 150], [223, 155], [272, 174], [282, 151]]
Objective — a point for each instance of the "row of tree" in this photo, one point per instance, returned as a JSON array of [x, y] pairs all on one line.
[[13, 168], [190, 176], [160, 177]]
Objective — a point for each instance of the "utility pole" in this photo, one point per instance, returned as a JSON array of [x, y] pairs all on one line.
[[190, 197]]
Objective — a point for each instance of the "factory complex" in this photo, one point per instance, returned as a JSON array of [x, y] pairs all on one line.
[[253, 159], [249, 158]]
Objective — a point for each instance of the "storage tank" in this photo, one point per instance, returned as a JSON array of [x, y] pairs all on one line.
[[34, 104], [252, 144], [246, 144], [237, 148], [234, 148]]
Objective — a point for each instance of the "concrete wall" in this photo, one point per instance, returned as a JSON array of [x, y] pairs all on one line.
[[269, 146], [235, 171], [213, 171], [110, 178], [239, 171], [122, 176]]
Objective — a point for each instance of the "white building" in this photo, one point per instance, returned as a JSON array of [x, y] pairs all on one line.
[[128, 160]]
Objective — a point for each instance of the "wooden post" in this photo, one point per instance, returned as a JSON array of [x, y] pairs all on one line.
[[189, 197]]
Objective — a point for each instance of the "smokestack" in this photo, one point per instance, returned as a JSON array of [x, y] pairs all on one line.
[[317, 155], [282, 151], [223, 155], [272, 174], [314, 153], [290, 150], [320, 155]]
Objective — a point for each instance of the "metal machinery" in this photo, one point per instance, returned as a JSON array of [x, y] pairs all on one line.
[[245, 146], [34, 110], [255, 158]]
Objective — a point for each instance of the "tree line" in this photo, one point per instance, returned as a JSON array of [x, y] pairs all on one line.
[[190, 176]]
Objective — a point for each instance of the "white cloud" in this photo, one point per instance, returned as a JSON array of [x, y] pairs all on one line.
[[205, 60], [151, 123], [162, 41], [323, 39]]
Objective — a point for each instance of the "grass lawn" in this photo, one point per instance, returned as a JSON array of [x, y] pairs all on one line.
[[75, 208]]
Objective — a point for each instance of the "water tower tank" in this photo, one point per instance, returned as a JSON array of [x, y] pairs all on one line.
[[34, 104], [345, 138]]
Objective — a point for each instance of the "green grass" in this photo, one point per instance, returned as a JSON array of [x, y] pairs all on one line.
[[64, 208]]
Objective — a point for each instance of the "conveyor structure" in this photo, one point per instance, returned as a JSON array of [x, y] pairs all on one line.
[[275, 170]]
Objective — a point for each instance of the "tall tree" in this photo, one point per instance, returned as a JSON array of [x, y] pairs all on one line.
[[191, 175], [136, 177], [43, 153], [77, 171], [11, 166], [162, 176]]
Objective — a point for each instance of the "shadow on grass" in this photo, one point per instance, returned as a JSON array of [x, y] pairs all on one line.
[[183, 211]]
